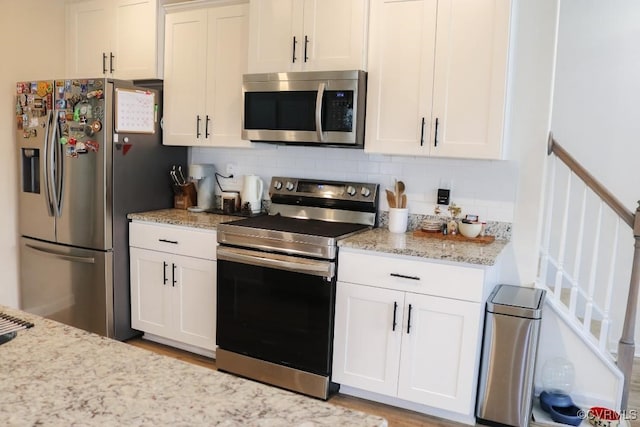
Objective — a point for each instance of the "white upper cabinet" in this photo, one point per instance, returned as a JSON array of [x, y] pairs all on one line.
[[112, 39], [307, 35], [437, 77], [205, 58]]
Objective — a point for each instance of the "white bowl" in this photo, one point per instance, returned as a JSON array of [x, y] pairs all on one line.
[[469, 230]]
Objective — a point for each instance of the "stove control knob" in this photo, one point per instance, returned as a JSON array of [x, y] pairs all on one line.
[[277, 185], [289, 185], [351, 190], [365, 192]]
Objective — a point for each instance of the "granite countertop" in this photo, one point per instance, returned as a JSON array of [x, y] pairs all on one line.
[[183, 217], [378, 239], [53, 374], [381, 240]]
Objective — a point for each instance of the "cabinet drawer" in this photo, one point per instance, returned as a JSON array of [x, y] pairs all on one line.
[[411, 275], [176, 240]]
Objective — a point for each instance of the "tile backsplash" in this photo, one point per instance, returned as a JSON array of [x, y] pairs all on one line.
[[486, 188]]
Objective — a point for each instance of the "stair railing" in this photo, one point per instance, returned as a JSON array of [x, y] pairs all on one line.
[[557, 280]]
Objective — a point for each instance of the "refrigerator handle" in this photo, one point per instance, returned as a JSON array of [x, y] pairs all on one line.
[[59, 255], [47, 165], [56, 174]]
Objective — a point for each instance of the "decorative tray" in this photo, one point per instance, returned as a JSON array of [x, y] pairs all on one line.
[[454, 237]]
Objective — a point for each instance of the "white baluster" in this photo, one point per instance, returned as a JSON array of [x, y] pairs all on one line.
[[563, 239], [604, 330], [573, 299], [588, 313], [544, 250]]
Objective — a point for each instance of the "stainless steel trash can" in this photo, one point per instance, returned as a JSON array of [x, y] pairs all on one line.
[[509, 347]]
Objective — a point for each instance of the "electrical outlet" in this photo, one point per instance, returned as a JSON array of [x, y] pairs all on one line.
[[232, 169]]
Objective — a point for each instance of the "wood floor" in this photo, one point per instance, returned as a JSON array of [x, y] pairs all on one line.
[[396, 417]]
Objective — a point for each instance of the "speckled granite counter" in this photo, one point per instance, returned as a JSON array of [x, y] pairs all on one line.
[[183, 217], [381, 240], [57, 375]]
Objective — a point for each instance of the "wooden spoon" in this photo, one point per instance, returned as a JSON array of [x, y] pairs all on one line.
[[400, 194], [391, 199], [403, 203]]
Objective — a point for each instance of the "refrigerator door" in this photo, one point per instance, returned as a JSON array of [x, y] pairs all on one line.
[[34, 128], [70, 285], [84, 163]]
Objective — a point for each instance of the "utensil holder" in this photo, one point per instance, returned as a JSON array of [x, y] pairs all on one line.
[[185, 196], [398, 219]]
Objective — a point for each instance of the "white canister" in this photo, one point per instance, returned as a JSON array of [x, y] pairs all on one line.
[[398, 219]]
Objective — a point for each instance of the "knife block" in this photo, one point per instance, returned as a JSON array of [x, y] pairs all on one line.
[[185, 196]]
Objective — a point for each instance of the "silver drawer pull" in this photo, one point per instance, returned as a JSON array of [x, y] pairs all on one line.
[[173, 242], [402, 276]]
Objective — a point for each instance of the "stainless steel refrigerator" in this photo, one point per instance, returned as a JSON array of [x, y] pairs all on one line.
[[89, 153]]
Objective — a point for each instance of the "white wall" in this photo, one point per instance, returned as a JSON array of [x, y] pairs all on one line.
[[32, 48], [596, 111]]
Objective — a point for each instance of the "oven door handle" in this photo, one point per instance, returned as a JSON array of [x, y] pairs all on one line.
[[279, 262]]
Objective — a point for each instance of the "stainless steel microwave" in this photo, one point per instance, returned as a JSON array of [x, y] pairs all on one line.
[[312, 108]]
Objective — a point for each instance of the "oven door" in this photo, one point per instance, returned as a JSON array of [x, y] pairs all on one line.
[[276, 308]]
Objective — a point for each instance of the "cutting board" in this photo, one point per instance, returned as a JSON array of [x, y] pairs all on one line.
[[455, 237]]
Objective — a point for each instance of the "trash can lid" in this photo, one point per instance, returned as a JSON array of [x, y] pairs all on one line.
[[516, 301]]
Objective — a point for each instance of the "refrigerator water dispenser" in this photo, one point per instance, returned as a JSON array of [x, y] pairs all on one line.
[[30, 170]]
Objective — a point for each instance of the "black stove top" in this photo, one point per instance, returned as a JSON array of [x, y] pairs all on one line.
[[310, 227]]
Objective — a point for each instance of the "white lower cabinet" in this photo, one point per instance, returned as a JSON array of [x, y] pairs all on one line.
[[401, 330], [173, 292]]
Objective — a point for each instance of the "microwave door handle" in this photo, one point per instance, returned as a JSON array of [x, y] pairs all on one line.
[[321, 88]]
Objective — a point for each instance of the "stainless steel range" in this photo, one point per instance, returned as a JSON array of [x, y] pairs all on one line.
[[277, 282]]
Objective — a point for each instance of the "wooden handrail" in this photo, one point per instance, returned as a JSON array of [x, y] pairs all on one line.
[[624, 213], [626, 344]]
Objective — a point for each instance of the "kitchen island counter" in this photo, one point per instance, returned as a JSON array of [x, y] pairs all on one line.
[[53, 374], [381, 240]]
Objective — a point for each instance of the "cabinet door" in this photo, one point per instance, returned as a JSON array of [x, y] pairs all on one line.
[[227, 44], [439, 352], [194, 300], [334, 35], [400, 79], [273, 24], [184, 78], [366, 344], [88, 38], [134, 42], [150, 282], [470, 78]]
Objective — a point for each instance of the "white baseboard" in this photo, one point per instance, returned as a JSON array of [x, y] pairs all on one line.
[[180, 345], [424, 409]]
